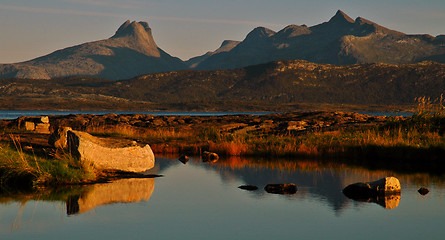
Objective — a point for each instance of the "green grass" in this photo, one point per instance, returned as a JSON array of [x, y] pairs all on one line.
[[21, 169]]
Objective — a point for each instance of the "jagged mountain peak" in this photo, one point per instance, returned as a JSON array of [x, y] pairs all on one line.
[[133, 29], [341, 17], [259, 33]]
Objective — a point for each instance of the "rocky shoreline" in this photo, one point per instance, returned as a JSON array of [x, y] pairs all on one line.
[[340, 136], [296, 123]]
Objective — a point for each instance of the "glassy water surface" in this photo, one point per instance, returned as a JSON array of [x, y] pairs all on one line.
[[203, 201], [13, 114]]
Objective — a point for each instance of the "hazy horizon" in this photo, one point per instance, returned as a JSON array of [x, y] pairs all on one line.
[[32, 29]]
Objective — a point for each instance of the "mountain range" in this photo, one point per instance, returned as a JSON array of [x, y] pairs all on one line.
[[132, 51]]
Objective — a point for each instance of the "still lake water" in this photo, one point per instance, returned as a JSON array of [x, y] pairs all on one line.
[[203, 201], [13, 114]]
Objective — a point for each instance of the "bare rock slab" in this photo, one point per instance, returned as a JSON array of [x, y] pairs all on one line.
[[108, 154]]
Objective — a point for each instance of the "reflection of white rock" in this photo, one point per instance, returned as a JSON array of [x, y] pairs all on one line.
[[389, 201], [119, 191]]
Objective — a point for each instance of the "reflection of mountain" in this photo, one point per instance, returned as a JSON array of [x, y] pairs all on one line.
[[119, 191]]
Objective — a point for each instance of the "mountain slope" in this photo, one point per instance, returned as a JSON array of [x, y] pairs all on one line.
[[132, 51], [226, 46], [341, 40], [267, 86]]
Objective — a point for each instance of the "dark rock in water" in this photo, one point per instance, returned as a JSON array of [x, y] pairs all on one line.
[[388, 185], [184, 159], [358, 191], [423, 191], [248, 187], [209, 157], [385, 192], [281, 188]]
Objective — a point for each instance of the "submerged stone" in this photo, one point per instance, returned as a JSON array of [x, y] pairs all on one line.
[[209, 157], [184, 159], [289, 188], [423, 191], [248, 187]]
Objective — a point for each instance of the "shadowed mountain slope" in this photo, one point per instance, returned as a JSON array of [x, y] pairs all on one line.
[[340, 41], [226, 46], [132, 51]]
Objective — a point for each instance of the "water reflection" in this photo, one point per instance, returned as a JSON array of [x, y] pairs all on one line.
[[119, 191], [316, 180], [321, 181], [81, 199], [389, 201], [193, 201]]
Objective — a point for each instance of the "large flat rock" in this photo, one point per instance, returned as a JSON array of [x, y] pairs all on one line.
[[109, 154]]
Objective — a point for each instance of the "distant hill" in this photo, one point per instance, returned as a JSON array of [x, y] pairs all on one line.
[[132, 51], [272, 86], [340, 41]]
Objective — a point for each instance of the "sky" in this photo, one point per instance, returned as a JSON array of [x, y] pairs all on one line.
[[33, 28]]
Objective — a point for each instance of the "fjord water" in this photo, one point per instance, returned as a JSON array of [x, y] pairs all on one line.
[[203, 201]]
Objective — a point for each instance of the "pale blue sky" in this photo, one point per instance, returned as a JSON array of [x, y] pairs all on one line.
[[32, 28]]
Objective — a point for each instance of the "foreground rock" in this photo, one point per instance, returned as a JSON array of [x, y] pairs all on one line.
[[281, 188], [105, 154], [385, 192]]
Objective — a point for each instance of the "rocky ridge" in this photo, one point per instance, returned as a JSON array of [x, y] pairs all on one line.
[[342, 40]]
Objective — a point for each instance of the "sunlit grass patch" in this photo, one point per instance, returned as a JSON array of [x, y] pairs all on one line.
[[19, 168]]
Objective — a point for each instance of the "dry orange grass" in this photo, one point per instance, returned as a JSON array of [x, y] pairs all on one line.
[[229, 148]]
